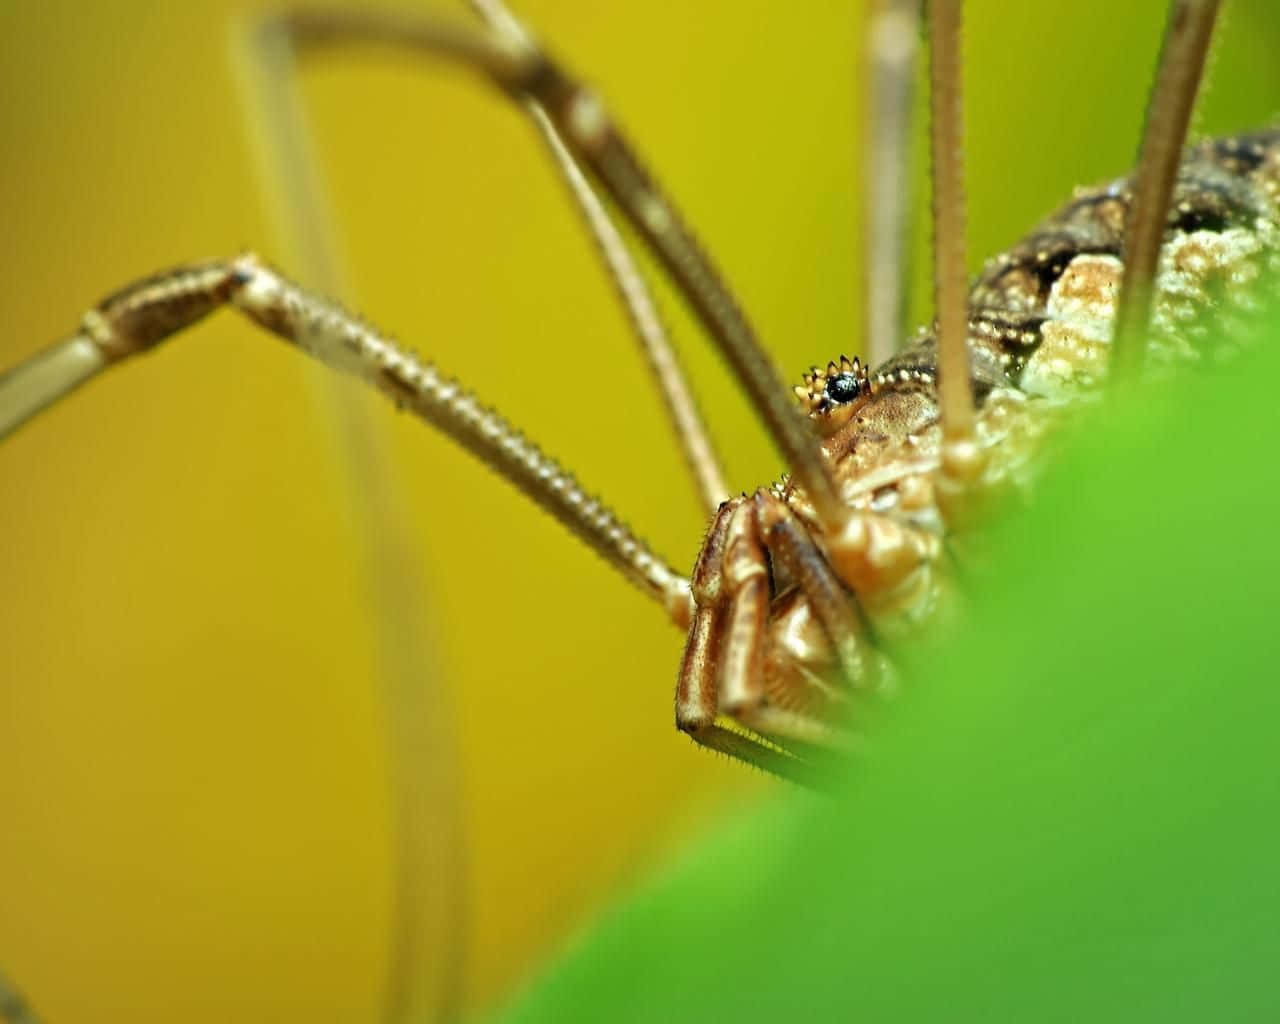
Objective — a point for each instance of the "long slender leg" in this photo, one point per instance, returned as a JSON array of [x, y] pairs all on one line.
[[274, 47], [146, 313], [955, 394], [518, 67], [892, 31], [1182, 60], [682, 410], [642, 309], [346, 343]]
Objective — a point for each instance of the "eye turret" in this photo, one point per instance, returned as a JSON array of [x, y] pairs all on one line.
[[831, 395]]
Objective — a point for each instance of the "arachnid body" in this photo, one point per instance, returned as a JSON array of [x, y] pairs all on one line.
[[1039, 333], [594, 387]]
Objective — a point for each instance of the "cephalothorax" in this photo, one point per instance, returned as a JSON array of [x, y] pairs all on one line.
[[802, 588]]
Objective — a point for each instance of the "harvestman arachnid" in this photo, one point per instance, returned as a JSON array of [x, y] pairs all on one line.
[[800, 588]]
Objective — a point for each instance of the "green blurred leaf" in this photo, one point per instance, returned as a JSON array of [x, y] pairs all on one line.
[[1069, 815]]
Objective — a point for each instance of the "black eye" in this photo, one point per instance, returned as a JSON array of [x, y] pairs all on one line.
[[843, 388]]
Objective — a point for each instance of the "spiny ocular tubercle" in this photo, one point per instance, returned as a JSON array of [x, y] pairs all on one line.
[[838, 384]]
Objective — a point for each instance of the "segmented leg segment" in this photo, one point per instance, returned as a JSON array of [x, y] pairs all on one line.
[[144, 314]]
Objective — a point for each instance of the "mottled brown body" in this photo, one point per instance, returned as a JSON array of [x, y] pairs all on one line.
[[1039, 334]]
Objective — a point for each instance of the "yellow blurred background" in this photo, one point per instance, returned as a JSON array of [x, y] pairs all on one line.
[[197, 819]]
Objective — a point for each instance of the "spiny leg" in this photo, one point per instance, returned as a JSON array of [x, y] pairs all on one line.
[[519, 67], [279, 40], [960, 457], [345, 343], [892, 28], [1173, 96], [642, 309], [682, 410], [147, 312]]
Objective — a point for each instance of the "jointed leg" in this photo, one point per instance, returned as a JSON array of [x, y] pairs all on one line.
[[146, 313], [646, 321], [892, 27], [682, 410], [1173, 96], [274, 50], [525, 71], [951, 303], [123, 324]]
